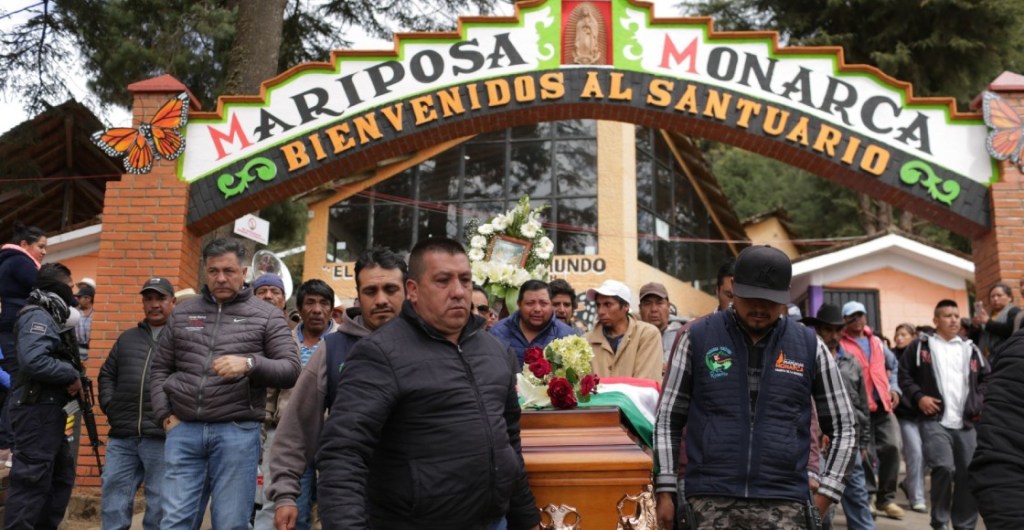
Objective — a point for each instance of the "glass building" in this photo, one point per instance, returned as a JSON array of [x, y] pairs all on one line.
[[621, 202]]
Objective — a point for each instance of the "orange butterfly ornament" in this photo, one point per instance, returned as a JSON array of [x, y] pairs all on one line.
[[160, 137], [1006, 140]]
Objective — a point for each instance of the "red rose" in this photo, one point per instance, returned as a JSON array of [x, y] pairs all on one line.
[[540, 368], [561, 393], [589, 384], [533, 354]]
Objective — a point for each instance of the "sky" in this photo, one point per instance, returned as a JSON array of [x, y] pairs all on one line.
[[13, 112]]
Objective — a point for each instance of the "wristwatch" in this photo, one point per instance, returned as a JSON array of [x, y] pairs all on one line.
[[249, 364]]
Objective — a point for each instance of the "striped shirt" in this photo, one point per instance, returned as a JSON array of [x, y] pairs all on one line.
[[835, 418]]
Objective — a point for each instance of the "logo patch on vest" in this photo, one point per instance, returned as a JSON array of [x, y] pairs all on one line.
[[718, 361], [788, 366], [38, 328]]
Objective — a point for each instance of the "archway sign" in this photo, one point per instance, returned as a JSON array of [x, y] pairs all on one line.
[[607, 59]]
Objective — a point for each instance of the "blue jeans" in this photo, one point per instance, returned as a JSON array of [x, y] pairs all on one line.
[[225, 454], [856, 501], [131, 462], [913, 456], [264, 519]]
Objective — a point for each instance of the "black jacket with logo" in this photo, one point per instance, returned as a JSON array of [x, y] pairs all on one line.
[[198, 331], [918, 379]]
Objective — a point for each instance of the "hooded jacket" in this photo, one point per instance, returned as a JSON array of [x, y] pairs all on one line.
[[302, 420], [198, 331], [424, 433], [124, 385], [918, 379]]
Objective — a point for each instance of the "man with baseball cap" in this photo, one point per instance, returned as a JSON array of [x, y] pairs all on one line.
[[655, 310], [623, 346], [135, 450], [746, 379], [856, 500], [880, 373]]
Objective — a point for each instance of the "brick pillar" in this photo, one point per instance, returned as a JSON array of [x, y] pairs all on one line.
[[144, 235], [999, 254]]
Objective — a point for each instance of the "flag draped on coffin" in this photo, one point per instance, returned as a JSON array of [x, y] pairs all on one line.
[[637, 399]]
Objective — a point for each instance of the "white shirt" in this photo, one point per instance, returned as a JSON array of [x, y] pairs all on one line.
[[951, 361]]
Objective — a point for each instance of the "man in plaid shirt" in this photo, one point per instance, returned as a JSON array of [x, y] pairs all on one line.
[[743, 380]]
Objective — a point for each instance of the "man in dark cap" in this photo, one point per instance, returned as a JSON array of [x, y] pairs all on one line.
[[44, 470], [747, 377], [856, 500], [135, 450]]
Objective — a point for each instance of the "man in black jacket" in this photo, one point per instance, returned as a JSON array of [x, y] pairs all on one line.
[[44, 470], [424, 430], [944, 376], [135, 450]]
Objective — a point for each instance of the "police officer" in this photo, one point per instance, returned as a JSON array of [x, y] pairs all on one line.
[[44, 470]]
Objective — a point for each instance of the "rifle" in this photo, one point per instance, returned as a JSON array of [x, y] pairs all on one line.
[[85, 400]]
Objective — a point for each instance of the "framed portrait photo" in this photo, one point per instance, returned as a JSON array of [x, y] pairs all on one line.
[[509, 250]]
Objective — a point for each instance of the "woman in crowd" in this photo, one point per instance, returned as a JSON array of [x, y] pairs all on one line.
[[913, 483], [19, 265], [990, 328]]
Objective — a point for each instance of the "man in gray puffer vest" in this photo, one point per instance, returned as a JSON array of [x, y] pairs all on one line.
[[217, 356], [135, 450]]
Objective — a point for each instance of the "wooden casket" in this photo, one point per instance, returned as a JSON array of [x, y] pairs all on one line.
[[583, 458]]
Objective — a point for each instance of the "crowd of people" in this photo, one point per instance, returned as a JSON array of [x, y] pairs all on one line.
[[402, 411]]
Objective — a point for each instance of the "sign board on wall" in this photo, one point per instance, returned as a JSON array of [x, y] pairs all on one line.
[[251, 227], [610, 52]]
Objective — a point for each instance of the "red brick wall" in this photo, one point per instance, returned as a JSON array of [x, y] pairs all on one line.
[[144, 235], [999, 254]]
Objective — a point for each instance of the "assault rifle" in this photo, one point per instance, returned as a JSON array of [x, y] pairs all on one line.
[[85, 399]]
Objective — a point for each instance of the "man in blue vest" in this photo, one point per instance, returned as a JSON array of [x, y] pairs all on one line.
[[380, 286], [744, 381]]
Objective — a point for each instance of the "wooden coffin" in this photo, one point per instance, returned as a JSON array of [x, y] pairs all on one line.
[[583, 458]]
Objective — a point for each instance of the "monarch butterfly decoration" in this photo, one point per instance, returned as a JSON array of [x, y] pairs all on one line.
[[1006, 140], [160, 137]]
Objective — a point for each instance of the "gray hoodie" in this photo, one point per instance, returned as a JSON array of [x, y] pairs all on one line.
[[302, 419]]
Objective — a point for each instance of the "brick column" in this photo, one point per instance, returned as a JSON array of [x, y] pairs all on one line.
[[144, 235], [999, 254]]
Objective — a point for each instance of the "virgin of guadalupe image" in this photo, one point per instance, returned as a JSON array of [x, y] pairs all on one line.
[[587, 47]]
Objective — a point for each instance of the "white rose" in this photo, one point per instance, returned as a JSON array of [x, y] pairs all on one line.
[[546, 245], [485, 229], [478, 242], [543, 254], [529, 230], [500, 222], [520, 277], [476, 254]]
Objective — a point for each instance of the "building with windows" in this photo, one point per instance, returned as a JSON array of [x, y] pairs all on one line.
[[621, 202]]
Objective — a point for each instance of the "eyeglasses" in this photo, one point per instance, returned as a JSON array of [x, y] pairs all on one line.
[[483, 308]]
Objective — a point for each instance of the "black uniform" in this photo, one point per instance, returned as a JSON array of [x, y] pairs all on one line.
[[44, 471]]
